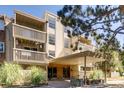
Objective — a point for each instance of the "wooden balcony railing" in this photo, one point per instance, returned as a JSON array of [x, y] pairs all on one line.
[[20, 55], [28, 33]]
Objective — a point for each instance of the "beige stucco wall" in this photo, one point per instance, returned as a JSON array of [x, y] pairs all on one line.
[[59, 38], [59, 35]]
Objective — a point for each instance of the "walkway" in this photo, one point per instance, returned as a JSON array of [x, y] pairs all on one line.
[[66, 84], [58, 84]]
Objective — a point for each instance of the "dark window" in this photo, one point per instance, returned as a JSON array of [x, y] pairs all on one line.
[[27, 48], [1, 47], [52, 22], [52, 53], [54, 72], [52, 39]]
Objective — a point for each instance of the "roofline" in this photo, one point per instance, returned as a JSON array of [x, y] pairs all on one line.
[[29, 15], [98, 55], [51, 13], [87, 53]]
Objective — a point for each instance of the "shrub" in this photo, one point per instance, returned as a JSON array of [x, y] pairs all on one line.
[[97, 74], [26, 76], [37, 75], [9, 73]]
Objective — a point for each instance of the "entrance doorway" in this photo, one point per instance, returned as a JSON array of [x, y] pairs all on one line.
[[66, 72], [52, 72]]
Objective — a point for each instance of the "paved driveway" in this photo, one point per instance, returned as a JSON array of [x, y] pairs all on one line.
[[58, 84]]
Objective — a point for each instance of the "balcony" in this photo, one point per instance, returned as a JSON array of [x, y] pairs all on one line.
[[84, 47], [22, 55], [29, 33]]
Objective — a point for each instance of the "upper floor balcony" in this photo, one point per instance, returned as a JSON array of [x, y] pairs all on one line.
[[28, 56], [85, 47], [27, 33], [26, 26]]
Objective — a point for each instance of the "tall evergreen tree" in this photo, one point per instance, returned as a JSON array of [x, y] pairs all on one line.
[[102, 22]]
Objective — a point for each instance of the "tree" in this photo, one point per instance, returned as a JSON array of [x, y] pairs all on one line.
[[102, 22], [113, 46]]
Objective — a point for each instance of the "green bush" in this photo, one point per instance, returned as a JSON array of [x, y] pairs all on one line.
[[13, 73], [97, 74], [37, 75], [9, 73]]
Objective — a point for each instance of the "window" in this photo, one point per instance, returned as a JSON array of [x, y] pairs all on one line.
[[1, 47], [52, 22], [66, 43], [27, 48], [52, 53], [52, 39], [1, 25]]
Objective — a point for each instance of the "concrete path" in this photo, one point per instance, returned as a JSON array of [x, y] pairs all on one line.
[[58, 84], [66, 84], [115, 84]]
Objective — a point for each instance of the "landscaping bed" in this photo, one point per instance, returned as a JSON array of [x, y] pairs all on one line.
[[12, 75]]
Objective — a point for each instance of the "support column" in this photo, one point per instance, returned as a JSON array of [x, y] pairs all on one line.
[[105, 71], [85, 70]]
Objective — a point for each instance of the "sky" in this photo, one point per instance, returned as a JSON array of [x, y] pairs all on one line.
[[38, 11]]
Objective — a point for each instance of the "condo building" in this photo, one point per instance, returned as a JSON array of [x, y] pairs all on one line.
[[28, 40], [59, 45]]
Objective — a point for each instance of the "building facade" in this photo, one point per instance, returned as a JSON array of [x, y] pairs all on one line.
[[28, 40], [59, 45]]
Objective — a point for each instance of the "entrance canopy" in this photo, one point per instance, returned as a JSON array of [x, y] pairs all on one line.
[[80, 58]]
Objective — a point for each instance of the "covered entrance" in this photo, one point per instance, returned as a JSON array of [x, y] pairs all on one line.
[[56, 71], [74, 61]]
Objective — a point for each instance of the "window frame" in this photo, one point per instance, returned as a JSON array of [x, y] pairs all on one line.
[[52, 38], [52, 22]]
